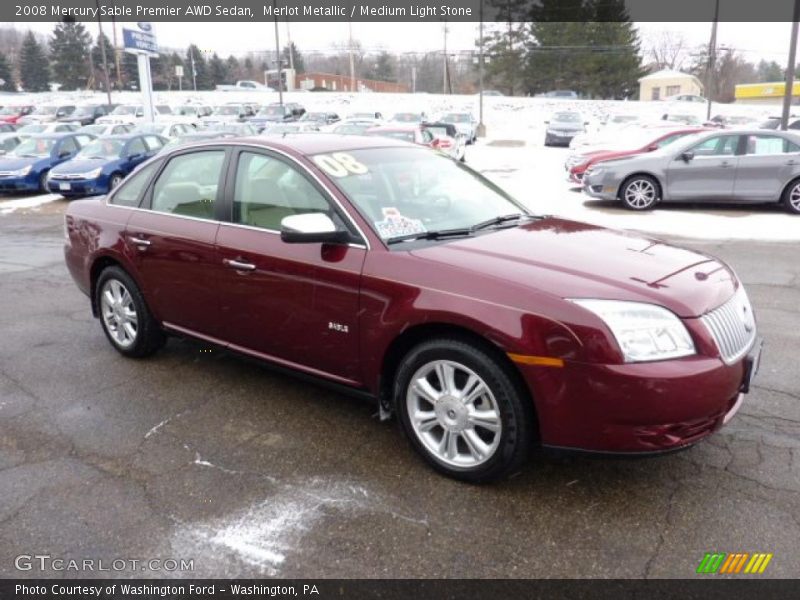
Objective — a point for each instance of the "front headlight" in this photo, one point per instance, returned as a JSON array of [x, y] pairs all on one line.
[[594, 171], [94, 174], [22, 172], [643, 331]]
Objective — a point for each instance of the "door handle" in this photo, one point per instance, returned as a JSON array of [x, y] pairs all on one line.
[[239, 265], [139, 241], [725, 164], [791, 162]]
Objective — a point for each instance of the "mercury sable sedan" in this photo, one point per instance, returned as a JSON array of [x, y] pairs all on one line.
[[736, 166], [393, 271]]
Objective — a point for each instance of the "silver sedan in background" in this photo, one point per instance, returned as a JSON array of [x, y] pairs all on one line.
[[737, 166]]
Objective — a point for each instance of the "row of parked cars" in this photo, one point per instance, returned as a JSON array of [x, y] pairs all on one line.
[[89, 149]]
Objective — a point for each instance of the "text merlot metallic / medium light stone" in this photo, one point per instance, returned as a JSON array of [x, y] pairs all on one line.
[[412, 10]]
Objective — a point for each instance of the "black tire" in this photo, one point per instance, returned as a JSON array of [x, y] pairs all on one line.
[[640, 192], [43, 182], [149, 336], [114, 181], [791, 197], [516, 414]]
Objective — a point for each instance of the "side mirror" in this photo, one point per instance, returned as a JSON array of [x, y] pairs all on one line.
[[652, 147], [134, 156], [311, 228], [687, 156]]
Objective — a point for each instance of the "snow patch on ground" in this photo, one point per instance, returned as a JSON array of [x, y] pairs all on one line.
[[31, 202]]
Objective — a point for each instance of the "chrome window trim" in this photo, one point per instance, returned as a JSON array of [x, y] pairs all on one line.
[[211, 143]]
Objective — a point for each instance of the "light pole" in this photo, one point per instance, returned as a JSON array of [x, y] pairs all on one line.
[[481, 131], [102, 41], [712, 50], [278, 56], [787, 93], [352, 61]]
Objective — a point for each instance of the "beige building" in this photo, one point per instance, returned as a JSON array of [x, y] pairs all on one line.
[[666, 83]]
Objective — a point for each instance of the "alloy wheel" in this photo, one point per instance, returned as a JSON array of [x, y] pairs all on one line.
[[454, 413], [119, 313], [640, 193], [794, 198]]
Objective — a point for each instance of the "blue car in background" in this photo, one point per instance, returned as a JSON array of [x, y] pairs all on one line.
[[25, 169], [102, 165]]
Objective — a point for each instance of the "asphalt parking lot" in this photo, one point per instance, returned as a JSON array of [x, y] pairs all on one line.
[[200, 455]]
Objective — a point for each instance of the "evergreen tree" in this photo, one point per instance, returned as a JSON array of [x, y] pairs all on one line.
[[297, 58], [217, 71], [232, 69], [34, 68], [615, 64], [69, 48], [5, 74], [769, 71], [201, 70], [384, 67], [97, 58], [505, 46]]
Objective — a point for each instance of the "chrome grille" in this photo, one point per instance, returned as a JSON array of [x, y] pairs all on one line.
[[732, 326]]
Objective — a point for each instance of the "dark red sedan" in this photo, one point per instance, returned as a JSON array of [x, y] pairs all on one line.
[[648, 140], [400, 274]]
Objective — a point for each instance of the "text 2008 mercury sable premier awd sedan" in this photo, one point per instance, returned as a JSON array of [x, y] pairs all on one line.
[[394, 271]]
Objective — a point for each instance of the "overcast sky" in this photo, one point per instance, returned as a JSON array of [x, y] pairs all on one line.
[[754, 40]]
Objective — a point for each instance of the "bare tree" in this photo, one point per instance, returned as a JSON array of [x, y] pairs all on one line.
[[666, 50]]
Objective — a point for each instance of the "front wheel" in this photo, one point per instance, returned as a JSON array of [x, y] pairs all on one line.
[[461, 410], [114, 181], [124, 315], [43, 182], [791, 197], [640, 192]]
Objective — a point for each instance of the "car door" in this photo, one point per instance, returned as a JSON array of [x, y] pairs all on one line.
[[768, 163], [292, 302], [708, 173], [171, 240], [135, 153], [64, 149]]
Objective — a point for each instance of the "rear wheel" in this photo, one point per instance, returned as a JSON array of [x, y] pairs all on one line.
[[461, 410], [114, 181], [124, 315], [791, 197], [640, 192]]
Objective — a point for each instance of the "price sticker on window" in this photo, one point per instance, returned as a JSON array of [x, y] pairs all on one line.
[[340, 164]]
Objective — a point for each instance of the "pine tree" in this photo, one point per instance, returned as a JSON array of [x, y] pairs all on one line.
[[5, 74], [217, 72], [233, 70], [69, 48], [615, 64], [34, 67], [297, 58], [97, 58], [200, 68]]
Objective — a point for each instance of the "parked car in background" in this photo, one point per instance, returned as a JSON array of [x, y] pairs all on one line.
[[276, 113], [749, 166], [87, 114], [731, 121], [53, 127], [648, 140], [775, 123], [203, 135], [101, 165], [408, 117], [132, 114], [25, 169], [683, 118], [12, 114], [165, 130], [245, 85], [242, 129], [8, 127], [492, 93], [189, 114], [416, 134], [565, 94], [464, 122], [355, 127], [321, 118], [484, 328], [686, 98], [99, 129], [8, 142], [448, 139], [295, 127], [47, 113], [562, 127], [228, 113], [365, 116]]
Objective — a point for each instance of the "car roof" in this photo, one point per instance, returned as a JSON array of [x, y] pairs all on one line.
[[399, 128], [55, 135], [319, 143], [123, 137]]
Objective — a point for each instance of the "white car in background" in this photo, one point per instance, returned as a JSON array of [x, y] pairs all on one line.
[[190, 114], [464, 122], [40, 128], [100, 129], [166, 130], [132, 113]]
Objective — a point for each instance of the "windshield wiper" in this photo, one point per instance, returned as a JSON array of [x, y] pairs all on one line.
[[500, 220], [432, 235]]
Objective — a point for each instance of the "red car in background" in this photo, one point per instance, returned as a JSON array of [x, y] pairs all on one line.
[[12, 114], [646, 141], [416, 134]]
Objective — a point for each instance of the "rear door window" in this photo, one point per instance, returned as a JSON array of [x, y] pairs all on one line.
[[188, 185], [130, 192]]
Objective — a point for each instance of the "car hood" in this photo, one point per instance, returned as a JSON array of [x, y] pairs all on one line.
[[14, 163], [81, 165], [568, 259], [565, 126]]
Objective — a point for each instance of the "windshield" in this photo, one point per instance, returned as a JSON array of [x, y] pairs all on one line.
[[10, 110], [283, 129], [186, 111], [438, 131], [124, 110], [404, 191], [361, 115], [566, 117], [32, 129], [45, 110], [94, 129], [407, 118], [102, 149], [38, 147], [620, 119], [226, 110], [406, 136], [150, 128], [456, 118], [272, 111]]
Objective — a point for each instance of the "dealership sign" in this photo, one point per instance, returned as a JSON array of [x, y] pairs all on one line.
[[141, 39]]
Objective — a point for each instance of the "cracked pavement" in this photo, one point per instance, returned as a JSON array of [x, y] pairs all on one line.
[[207, 456]]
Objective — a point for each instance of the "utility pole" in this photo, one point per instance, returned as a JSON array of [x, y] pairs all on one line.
[[352, 61], [444, 61], [102, 41], [481, 131], [289, 45], [194, 71], [278, 56], [787, 94], [712, 59]]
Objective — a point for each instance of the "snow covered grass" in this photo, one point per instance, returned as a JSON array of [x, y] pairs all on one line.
[[29, 203]]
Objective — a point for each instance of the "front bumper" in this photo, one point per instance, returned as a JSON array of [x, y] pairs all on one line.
[[19, 184], [559, 139], [597, 187], [77, 187], [638, 407]]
